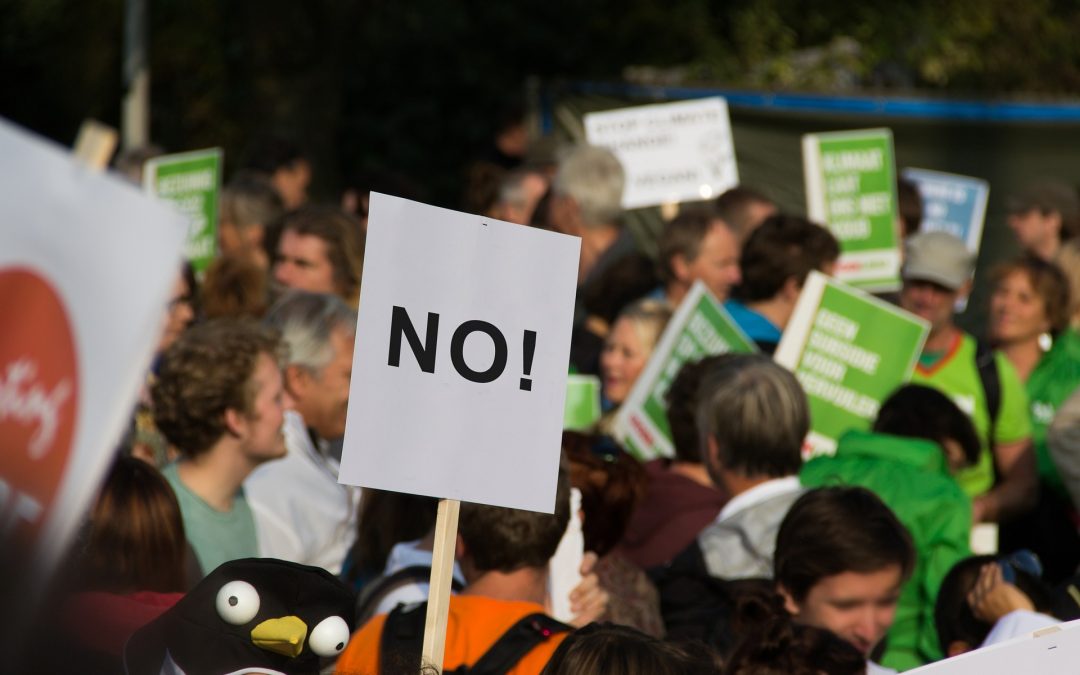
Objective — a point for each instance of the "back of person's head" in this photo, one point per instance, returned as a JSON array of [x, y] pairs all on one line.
[[594, 178], [910, 206], [207, 371], [234, 287], [784, 247], [506, 540], [250, 200], [613, 649], [918, 411], [624, 281], [957, 627], [833, 530], [682, 403], [755, 414], [344, 239], [387, 518], [134, 540], [743, 208], [683, 237], [306, 321], [772, 643], [610, 485]]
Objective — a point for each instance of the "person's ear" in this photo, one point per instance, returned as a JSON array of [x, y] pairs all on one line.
[[459, 548], [298, 381], [235, 422], [791, 289], [790, 605], [680, 268], [964, 290]]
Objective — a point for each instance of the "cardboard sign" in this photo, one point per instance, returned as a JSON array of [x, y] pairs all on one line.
[[851, 188], [850, 351], [671, 152], [192, 182], [463, 341], [1051, 651], [952, 203], [86, 268], [700, 327]]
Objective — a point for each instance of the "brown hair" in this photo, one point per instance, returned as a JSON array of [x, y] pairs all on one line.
[[506, 540], [610, 485], [135, 539], [235, 287], [683, 236], [207, 371], [1048, 282], [781, 248], [344, 239], [613, 649], [833, 530]]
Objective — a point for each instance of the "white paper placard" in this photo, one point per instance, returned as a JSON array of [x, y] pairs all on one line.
[[1050, 651], [87, 263], [671, 152], [445, 401]]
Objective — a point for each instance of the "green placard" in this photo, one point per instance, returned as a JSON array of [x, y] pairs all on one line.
[[582, 408], [700, 327], [850, 351], [851, 187], [191, 181]]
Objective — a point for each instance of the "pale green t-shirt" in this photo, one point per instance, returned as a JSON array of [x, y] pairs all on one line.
[[216, 536]]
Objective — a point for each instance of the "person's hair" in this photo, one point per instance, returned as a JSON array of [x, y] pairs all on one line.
[[134, 538], [482, 181], [613, 649], [757, 414], [610, 485], [621, 283], [649, 318], [733, 207], [344, 239], [207, 371], [512, 186], [832, 530], [683, 236], [506, 540], [306, 321], [909, 205], [772, 643], [269, 153], [1068, 260], [234, 287], [594, 178], [682, 403], [1049, 283], [385, 519], [953, 618], [249, 200], [918, 411], [783, 247]]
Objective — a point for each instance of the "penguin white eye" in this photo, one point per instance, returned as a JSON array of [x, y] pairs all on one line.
[[237, 602], [329, 637]]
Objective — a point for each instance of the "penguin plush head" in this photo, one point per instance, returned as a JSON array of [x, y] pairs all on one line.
[[249, 616]]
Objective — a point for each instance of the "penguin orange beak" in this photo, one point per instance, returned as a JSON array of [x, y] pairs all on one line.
[[284, 635]]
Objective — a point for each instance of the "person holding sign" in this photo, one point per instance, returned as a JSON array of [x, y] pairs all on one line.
[[775, 262], [937, 271], [220, 401], [698, 245]]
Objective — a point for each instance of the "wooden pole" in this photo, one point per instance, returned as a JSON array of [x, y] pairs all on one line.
[[95, 144], [442, 572]]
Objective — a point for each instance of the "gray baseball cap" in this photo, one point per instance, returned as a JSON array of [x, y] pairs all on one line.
[[938, 257]]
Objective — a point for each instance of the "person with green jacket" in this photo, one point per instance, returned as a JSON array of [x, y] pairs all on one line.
[[919, 438]]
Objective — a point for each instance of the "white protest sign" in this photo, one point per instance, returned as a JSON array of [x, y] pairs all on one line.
[[86, 266], [1050, 651], [463, 346], [671, 152]]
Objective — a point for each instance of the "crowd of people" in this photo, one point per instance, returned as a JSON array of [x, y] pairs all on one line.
[[737, 555]]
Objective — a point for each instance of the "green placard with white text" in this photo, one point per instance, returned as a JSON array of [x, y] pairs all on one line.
[[191, 181], [700, 327], [851, 188], [850, 351]]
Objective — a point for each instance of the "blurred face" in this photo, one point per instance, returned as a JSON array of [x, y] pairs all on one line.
[[856, 607], [929, 301], [303, 263], [291, 183], [178, 315], [1017, 312], [623, 359], [263, 438], [322, 398], [1033, 229], [717, 264]]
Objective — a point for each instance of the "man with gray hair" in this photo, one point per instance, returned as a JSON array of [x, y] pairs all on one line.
[[301, 512], [752, 415], [586, 201]]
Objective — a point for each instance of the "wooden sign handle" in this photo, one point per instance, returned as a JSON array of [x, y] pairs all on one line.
[[442, 572], [95, 144]]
